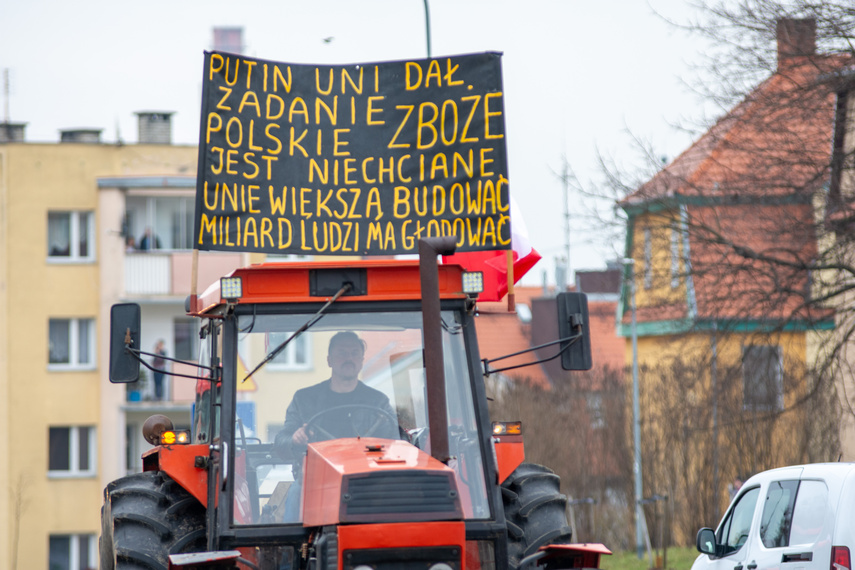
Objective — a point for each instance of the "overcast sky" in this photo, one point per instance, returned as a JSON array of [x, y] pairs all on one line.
[[577, 75]]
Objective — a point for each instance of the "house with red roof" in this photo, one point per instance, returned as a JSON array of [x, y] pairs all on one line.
[[718, 295]]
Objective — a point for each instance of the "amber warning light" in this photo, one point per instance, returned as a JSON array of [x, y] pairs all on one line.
[[507, 428], [175, 437]]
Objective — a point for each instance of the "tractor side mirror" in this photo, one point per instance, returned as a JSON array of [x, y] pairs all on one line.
[[124, 333], [573, 322]]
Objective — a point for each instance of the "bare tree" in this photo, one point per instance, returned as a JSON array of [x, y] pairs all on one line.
[[577, 429], [750, 225], [19, 506]]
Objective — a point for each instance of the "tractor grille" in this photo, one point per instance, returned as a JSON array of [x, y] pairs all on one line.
[[400, 496], [403, 558]]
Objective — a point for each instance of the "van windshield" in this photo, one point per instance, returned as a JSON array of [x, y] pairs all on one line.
[[349, 375]]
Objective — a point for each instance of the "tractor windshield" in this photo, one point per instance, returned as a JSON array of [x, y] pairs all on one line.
[[350, 375]]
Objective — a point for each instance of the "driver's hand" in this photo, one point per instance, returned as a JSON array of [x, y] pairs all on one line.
[[300, 436]]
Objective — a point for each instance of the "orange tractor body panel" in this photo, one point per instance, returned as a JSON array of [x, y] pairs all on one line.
[[402, 535], [334, 463], [386, 280], [179, 462]]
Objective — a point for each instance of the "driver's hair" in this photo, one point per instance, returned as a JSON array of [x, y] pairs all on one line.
[[345, 336]]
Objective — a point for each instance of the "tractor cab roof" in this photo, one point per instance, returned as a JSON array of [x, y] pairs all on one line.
[[289, 282]]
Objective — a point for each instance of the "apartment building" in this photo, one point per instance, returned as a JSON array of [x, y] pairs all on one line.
[[73, 218]]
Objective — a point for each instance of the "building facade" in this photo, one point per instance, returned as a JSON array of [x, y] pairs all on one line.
[[74, 214], [719, 243]]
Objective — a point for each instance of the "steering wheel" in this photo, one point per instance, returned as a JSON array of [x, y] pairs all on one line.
[[381, 418]]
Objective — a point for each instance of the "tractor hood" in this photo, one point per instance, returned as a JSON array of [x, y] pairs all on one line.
[[360, 480]]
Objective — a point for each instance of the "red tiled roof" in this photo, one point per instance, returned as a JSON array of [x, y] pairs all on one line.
[[748, 249], [770, 143]]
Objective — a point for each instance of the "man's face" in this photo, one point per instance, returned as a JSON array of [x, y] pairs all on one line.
[[345, 359]]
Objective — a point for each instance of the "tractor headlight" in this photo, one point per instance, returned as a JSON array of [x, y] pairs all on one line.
[[231, 288], [473, 282]]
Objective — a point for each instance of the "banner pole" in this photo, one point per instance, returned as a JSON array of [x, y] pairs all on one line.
[[194, 277], [509, 255]]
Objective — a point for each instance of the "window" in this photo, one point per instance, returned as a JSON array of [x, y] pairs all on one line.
[[185, 333], [648, 259], [71, 236], [71, 451], [71, 343], [810, 513], [675, 257], [169, 219], [763, 378], [595, 410], [296, 355], [778, 513], [735, 528], [73, 552]]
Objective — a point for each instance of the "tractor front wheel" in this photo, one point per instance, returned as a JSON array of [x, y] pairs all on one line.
[[535, 511], [145, 518]]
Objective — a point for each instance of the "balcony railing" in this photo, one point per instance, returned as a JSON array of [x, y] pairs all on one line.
[[169, 272]]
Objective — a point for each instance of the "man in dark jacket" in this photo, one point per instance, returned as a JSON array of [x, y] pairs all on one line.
[[341, 406]]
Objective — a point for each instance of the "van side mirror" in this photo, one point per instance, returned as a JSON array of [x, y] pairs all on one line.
[[706, 542], [124, 333], [573, 322]]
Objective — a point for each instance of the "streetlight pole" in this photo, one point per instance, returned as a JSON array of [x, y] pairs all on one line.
[[636, 415], [427, 27]]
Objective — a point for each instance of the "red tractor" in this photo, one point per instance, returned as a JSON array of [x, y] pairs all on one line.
[[416, 477]]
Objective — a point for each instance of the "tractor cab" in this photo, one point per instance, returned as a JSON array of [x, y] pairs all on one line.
[[330, 422]]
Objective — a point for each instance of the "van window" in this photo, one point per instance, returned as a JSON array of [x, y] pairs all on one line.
[[778, 513], [733, 532], [809, 513]]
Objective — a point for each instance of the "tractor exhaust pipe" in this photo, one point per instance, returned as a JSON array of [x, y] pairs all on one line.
[[429, 248]]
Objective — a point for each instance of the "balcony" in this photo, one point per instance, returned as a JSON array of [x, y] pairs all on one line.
[[168, 273]]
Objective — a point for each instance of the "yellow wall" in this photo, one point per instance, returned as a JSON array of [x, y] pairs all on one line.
[[36, 178]]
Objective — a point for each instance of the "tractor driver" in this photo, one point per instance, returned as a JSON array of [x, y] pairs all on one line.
[[341, 406]]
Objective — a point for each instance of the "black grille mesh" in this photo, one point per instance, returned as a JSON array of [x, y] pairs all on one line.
[[401, 493]]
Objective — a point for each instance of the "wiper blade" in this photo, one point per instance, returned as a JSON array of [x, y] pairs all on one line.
[[315, 318]]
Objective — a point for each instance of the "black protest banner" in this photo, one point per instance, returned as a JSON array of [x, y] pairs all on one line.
[[352, 159]]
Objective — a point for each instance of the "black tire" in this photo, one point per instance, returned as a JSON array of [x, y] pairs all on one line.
[[535, 511], [145, 518]]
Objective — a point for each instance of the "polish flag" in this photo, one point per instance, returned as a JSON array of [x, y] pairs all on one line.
[[494, 264]]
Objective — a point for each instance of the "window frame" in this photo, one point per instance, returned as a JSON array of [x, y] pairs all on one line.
[[675, 256], [73, 347], [74, 221], [648, 258], [777, 382], [74, 471], [289, 352], [74, 550]]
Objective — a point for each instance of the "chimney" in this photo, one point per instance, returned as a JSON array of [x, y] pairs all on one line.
[[12, 132], [80, 136], [228, 39], [796, 38], [155, 127]]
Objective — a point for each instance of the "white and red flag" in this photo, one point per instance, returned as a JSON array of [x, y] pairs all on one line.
[[494, 264]]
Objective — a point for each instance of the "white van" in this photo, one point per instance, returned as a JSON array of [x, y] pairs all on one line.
[[792, 518]]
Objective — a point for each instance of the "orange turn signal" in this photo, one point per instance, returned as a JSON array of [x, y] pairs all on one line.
[[507, 428], [175, 437]]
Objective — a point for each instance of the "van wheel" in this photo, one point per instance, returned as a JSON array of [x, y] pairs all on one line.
[[535, 511], [145, 518]]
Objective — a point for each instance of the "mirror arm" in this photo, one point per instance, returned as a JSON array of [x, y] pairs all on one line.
[[569, 340], [136, 354]]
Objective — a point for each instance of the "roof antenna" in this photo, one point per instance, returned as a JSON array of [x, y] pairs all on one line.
[[6, 95]]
